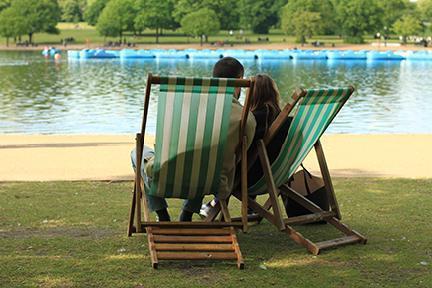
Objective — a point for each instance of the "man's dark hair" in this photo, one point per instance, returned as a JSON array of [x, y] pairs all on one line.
[[228, 67]]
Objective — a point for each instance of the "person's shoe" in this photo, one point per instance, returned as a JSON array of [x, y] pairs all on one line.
[[186, 216], [205, 209], [163, 215]]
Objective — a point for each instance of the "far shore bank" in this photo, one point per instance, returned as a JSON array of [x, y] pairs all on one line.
[[252, 46], [107, 157]]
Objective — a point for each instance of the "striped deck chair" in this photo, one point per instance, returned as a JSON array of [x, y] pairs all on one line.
[[314, 110], [193, 117]]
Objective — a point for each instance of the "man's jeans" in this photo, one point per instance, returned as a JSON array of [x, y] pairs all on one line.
[[158, 203]]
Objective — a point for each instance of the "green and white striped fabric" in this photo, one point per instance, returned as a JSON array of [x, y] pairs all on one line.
[[191, 131], [314, 113]]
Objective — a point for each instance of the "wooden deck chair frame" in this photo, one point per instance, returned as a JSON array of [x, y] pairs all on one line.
[[202, 240], [332, 216]]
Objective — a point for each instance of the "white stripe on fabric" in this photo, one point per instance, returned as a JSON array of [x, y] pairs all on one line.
[[199, 136], [170, 95], [181, 148]]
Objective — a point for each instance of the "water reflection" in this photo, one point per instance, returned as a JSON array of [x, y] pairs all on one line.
[[106, 96]]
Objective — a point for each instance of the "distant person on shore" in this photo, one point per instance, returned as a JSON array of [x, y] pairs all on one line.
[[226, 67]]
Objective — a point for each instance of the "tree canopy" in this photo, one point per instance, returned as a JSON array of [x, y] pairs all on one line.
[[358, 17], [31, 16], [259, 16], [202, 22], [116, 18], [94, 10], [408, 25], [155, 14]]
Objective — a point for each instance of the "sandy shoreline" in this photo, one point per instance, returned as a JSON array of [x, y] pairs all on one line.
[[106, 157], [253, 46]]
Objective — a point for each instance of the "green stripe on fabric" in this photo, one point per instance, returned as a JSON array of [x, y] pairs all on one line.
[[207, 139], [298, 136], [174, 139], [190, 144]]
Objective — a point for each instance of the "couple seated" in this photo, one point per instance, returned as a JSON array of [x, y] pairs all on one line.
[[201, 119], [264, 105]]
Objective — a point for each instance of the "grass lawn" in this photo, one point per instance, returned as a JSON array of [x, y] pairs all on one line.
[[82, 33], [73, 234]]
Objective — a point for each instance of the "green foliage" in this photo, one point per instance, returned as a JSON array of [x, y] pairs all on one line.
[[93, 11], [72, 10], [4, 4], [202, 22], [408, 25], [304, 18], [394, 9], [226, 11], [116, 18], [155, 14], [425, 9], [259, 16], [33, 16], [358, 17], [11, 24], [302, 24]]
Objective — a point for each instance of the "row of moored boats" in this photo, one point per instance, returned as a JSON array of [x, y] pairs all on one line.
[[249, 54]]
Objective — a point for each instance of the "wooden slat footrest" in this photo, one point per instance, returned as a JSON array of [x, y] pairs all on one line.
[[191, 239], [191, 231], [191, 224], [194, 243], [338, 242], [197, 256], [310, 218]]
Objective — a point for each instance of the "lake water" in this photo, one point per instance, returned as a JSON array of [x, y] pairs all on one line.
[[39, 96]]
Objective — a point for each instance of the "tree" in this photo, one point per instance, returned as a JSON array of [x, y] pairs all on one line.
[[302, 24], [393, 10], [357, 17], [71, 10], [408, 25], [259, 15], [227, 11], [11, 24], [94, 10], [155, 14], [425, 9], [202, 22], [304, 18], [37, 16], [116, 18], [4, 4]]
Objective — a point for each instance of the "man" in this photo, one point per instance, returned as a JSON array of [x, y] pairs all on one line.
[[226, 67]]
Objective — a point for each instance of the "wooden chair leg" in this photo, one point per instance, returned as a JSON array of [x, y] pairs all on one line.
[[138, 179], [272, 189], [131, 228], [327, 179], [244, 185]]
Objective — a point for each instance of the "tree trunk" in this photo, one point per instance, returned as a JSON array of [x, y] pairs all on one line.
[[7, 41], [206, 38], [30, 38], [201, 40], [157, 35]]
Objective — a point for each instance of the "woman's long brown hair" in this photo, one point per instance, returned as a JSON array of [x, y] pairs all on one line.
[[265, 93]]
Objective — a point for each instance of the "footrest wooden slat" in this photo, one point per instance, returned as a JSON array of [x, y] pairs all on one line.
[[191, 239], [338, 241], [181, 225], [310, 218], [193, 247], [191, 231], [196, 256]]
